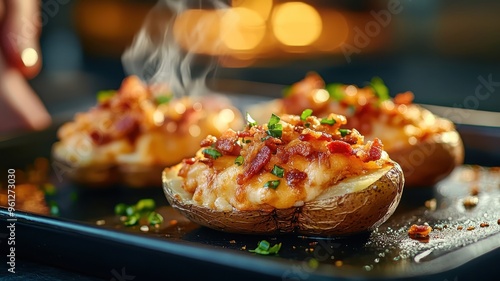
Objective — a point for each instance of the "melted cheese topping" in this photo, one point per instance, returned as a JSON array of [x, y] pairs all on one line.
[[217, 183], [133, 128]]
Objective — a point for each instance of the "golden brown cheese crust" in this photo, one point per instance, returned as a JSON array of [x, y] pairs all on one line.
[[254, 170]]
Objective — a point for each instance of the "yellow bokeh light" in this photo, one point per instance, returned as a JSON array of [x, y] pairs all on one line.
[[296, 24], [262, 7], [242, 29], [321, 95]]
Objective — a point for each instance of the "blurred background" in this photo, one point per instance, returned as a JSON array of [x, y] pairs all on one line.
[[445, 51]]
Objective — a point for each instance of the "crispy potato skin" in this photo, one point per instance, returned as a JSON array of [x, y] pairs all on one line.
[[340, 215], [429, 161]]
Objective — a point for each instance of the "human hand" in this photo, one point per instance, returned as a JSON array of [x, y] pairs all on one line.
[[20, 107]]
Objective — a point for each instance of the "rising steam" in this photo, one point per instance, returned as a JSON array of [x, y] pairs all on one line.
[[156, 57]]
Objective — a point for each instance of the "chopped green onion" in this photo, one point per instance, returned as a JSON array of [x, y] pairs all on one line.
[[250, 121], [264, 248], [306, 113], [248, 141], [163, 99], [344, 132], [130, 210], [155, 218], [275, 119], [380, 88], [239, 160], [275, 131], [132, 220], [145, 205], [265, 138], [272, 184], [278, 171], [307, 125], [121, 209], [54, 208], [287, 91], [326, 121], [336, 91], [105, 95], [212, 153]]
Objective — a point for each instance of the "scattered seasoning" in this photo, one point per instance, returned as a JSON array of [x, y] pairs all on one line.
[[250, 121], [232, 242], [431, 204], [474, 190], [130, 215], [272, 184], [212, 153], [339, 263], [264, 248], [344, 132], [484, 224], [239, 160], [419, 231], [100, 222], [173, 222], [244, 247], [471, 228], [470, 201], [460, 227], [326, 121], [144, 228], [278, 171], [306, 113]]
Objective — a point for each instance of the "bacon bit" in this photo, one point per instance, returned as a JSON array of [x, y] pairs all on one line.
[[294, 177], [207, 161], [419, 231], [173, 222], [189, 161], [404, 98], [245, 134], [255, 165], [273, 143], [99, 138], [183, 172], [128, 126], [342, 147], [460, 227], [375, 151], [208, 141], [228, 145], [471, 228], [484, 224], [321, 137], [301, 148]]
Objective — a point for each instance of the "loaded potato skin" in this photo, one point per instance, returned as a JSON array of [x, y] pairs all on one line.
[[297, 174], [134, 132], [427, 146]]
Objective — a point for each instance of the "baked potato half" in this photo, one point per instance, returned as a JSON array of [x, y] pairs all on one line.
[[134, 132], [427, 146], [295, 174]]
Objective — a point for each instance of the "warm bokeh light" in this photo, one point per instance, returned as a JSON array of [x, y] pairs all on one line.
[[199, 30], [261, 7], [29, 57], [242, 29], [296, 24], [321, 95]]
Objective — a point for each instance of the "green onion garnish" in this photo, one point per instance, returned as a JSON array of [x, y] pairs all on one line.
[[163, 99], [278, 171], [212, 153], [145, 205], [275, 131], [380, 88], [130, 210], [239, 160], [306, 113], [121, 209], [54, 208], [155, 218], [272, 184], [132, 220], [275, 119], [326, 121], [264, 248], [335, 90], [105, 95], [344, 132], [250, 121]]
